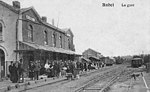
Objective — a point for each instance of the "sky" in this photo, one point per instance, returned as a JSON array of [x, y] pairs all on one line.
[[112, 31]]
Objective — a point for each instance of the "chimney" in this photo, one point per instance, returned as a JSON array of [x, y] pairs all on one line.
[[44, 19], [16, 4], [53, 22]]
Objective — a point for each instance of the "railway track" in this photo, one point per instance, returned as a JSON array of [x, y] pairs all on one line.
[[122, 77], [130, 85], [103, 69], [106, 79], [104, 82], [61, 82]]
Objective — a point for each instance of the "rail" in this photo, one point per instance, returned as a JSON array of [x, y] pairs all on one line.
[[26, 86], [98, 78], [112, 81]]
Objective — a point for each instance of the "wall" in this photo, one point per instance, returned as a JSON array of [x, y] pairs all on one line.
[[9, 19], [38, 30], [70, 39], [89, 52]]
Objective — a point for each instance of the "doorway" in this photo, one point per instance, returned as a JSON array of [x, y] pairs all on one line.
[[2, 64]]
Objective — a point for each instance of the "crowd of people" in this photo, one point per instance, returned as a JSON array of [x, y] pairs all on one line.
[[17, 71], [56, 68], [60, 68], [34, 70]]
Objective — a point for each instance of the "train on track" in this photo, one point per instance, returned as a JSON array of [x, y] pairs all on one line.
[[137, 62], [119, 60], [109, 61]]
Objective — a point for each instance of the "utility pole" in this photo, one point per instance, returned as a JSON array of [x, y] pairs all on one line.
[[58, 19]]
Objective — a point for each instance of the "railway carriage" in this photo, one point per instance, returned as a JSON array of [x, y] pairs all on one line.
[[137, 62], [109, 62]]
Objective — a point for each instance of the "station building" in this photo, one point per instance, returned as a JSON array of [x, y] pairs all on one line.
[[27, 36], [92, 55]]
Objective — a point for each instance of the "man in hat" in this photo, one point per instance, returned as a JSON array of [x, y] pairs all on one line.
[[37, 69]]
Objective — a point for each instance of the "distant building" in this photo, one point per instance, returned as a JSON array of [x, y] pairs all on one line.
[[92, 54], [25, 35]]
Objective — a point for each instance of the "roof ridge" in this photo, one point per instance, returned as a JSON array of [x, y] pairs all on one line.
[[45, 23], [9, 6], [21, 10]]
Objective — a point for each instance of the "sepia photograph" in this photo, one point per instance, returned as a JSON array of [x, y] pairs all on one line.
[[74, 46]]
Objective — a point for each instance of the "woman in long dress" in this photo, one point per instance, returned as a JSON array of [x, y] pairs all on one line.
[[11, 70], [31, 70], [15, 73]]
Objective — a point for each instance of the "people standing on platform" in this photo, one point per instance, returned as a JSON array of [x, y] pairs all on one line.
[[47, 65], [72, 67], [50, 72], [15, 72], [75, 71], [81, 67], [11, 70], [64, 68], [78, 65], [42, 69], [134, 76], [20, 71], [37, 69], [55, 68], [85, 67], [103, 64], [100, 64], [46, 68], [89, 66], [58, 69], [67, 66], [31, 70], [52, 69]]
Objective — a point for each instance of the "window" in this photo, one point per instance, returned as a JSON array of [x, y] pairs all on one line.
[[30, 33], [60, 40], [54, 39], [45, 38], [69, 44], [1, 31]]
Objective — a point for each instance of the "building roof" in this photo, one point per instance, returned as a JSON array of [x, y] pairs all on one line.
[[22, 10], [25, 9], [137, 59], [98, 54], [46, 48], [68, 30], [39, 18], [93, 57], [9, 7], [93, 50], [86, 59]]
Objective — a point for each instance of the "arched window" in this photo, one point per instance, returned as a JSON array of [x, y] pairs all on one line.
[[60, 40], [1, 31], [30, 33], [45, 38], [54, 39]]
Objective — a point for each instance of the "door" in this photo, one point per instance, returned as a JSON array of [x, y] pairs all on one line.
[[2, 64]]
